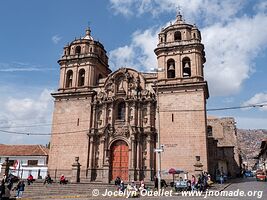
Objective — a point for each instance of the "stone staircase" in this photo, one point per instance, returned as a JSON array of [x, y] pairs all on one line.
[[38, 190]]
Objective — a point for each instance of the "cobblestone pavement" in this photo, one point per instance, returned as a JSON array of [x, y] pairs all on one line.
[[247, 189]]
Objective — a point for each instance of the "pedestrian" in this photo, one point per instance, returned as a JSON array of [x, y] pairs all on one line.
[[193, 183], [2, 188], [156, 182], [221, 178], [20, 189], [142, 185], [118, 182], [122, 186], [4, 178]]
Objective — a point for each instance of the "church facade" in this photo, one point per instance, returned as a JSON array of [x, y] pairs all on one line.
[[111, 120]]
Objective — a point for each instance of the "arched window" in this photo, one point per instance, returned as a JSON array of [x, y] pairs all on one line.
[[177, 36], [78, 50], [209, 131], [69, 79], [186, 67], [81, 79], [170, 68], [121, 111]]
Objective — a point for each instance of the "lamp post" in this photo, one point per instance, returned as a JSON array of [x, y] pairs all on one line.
[[158, 150]]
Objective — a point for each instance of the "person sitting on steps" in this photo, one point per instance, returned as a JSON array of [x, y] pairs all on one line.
[[48, 179], [63, 180]]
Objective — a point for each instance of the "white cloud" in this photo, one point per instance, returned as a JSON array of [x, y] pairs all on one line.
[[259, 98], [231, 49], [122, 7], [22, 67], [56, 39], [122, 56], [261, 6], [16, 114], [207, 10], [139, 54]]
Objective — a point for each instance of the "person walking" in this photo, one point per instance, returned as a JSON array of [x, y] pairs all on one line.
[[156, 182], [20, 189]]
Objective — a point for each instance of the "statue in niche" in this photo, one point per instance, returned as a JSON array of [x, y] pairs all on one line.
[[121, 85]]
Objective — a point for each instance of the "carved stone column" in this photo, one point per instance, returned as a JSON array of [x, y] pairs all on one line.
[[138, 157], [132, 160], [134, 113], [126, 112], [91, 149], [149, 156], [105, 115], [149, 114], [94, 117], [139, 118]]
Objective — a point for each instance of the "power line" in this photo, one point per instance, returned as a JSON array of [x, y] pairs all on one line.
[[39, 125], [40, 134], [217, 109], [211, 109]]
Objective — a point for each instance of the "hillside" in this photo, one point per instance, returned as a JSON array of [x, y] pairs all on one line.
[[249, 142]]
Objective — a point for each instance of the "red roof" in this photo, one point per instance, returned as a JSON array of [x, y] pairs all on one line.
[[23, 150]]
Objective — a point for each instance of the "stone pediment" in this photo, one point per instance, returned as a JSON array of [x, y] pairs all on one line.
[[124, 81]]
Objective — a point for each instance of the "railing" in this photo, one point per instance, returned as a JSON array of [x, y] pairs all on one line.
[[23, 173]]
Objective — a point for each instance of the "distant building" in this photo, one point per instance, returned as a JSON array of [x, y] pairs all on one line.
[[262, 157], [25, 160], [224, 152]]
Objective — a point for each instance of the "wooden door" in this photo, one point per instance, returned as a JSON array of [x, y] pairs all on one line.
[[119, 160]]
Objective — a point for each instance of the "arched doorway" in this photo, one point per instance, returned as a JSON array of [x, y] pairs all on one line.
[[119, 160]]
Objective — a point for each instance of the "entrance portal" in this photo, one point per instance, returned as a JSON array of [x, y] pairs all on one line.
[[119, 160]]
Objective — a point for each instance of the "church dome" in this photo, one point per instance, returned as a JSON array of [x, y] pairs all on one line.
[[85, 46]]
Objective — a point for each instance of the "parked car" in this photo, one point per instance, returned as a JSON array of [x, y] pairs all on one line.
[[260, 175]]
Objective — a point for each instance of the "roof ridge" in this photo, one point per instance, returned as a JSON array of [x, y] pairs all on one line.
[[41, 147]]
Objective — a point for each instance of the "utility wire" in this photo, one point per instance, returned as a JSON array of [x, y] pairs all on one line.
[[39, 134], [38, 125], [211, 109]]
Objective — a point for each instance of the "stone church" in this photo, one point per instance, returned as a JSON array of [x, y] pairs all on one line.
[[110, 121]]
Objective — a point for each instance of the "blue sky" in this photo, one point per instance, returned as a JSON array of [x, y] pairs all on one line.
[[33, 34]]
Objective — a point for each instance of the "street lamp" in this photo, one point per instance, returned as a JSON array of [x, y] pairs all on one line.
[[158, 150]]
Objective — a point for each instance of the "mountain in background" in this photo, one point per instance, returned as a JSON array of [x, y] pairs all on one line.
[[249, 143]]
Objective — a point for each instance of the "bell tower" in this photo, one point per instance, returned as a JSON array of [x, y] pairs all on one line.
[[180, 53], [182, 93], [83, 64]]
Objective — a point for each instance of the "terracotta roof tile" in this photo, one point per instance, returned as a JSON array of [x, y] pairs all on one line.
[[23, 150]]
